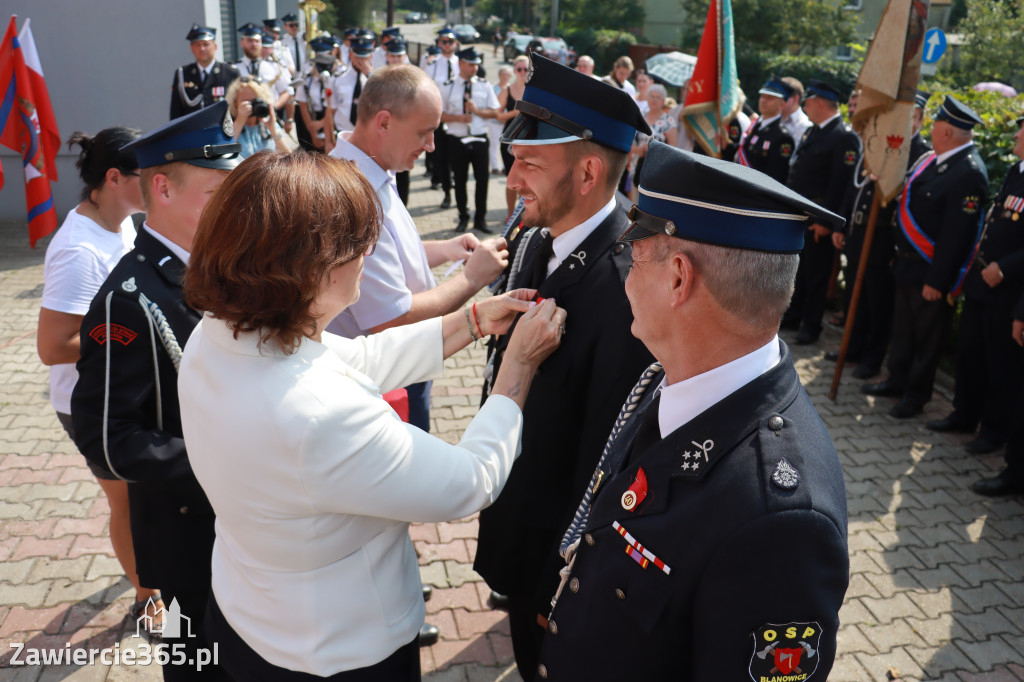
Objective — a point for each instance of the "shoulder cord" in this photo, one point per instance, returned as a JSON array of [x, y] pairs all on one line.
[[106, 393], [189, 101], [159, 321], [513, 274], [571, 539]]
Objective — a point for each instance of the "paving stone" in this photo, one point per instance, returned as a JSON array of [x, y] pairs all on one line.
[[988, 654], [980, 572], [938, 661], [48, 569], [898, 606], [460, 573], [898, 658]]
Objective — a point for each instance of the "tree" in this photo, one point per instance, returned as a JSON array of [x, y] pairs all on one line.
[[992, 49], [596, 14]]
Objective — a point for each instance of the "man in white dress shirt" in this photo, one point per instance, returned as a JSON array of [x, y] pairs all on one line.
[[399, 110], [441, 70], [292, 41], [269, 72], [793, 116], [347, 88], [468, 102]]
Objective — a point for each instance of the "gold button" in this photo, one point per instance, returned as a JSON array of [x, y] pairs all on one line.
[[574, 585], [552, 627], [542, 671], [619, 593], [589, 539], [183, 510]]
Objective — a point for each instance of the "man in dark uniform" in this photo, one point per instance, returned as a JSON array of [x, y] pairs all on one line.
[[988, 362], [570, 143], [821, 170], [204, 81], [467, 102], [939, 219], [768, 146], [1010, 481], [125, 404], [711, 543], [871, 330]]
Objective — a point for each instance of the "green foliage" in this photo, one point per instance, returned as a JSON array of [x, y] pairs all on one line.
[[343, 13], [604, 46], [595, 14], [841, 75], [995, 138], [993, 50]]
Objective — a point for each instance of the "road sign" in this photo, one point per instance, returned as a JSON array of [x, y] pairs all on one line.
[[934, 45]]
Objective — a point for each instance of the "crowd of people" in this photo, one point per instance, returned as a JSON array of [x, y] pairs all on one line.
[[221, 361]]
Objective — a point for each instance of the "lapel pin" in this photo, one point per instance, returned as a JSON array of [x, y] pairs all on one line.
[[637, 491]]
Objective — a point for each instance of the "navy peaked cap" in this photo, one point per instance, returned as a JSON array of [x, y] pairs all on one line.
[[958, 114], [198, 32], [203, 138], [709, 200]]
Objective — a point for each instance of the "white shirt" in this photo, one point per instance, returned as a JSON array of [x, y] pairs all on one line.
[[453, 93], [379, 56], [342, 90], [288, 41], [796, 123], [684, 400], [398, 267], [181, 253], [939, 158], [312, 90], [78, 260], [565, 243], [271, 74], [443, 69], [315, 479]]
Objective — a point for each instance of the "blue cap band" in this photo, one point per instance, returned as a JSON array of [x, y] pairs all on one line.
[[606, 130]]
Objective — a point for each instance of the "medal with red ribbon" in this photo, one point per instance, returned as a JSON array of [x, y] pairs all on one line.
[[637, 492]]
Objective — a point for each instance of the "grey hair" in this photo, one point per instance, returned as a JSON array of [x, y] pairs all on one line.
[[755, 286], [657, 87]]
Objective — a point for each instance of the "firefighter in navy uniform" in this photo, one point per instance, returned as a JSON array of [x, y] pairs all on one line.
[[768, 146], [204, 81], [939, 223], [711, 543], [988, 362], [570, 140], [871, 330], [125, 404], [821, 169]]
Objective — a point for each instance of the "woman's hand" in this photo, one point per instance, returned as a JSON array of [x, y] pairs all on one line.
[[495, 315], [537, 334], [244, 112]]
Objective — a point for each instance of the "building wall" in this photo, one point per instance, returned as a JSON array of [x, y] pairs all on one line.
[[108, 64], [663, 21]]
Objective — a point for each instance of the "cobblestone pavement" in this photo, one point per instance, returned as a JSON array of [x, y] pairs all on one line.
[[937, 584]]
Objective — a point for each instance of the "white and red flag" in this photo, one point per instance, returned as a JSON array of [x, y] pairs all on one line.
[[28, 126]]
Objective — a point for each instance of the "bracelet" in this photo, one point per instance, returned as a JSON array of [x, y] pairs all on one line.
[[469, 326], [475, 319]]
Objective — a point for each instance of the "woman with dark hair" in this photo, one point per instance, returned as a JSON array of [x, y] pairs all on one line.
[[90, 242], [313, 477]]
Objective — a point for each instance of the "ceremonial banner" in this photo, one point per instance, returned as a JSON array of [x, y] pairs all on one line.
[[28, 126], [887, 84], [713, 96]]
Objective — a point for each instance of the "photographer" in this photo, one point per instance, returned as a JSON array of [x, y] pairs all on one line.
[[256, 126]]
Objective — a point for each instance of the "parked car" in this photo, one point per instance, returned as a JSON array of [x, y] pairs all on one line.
[[416, 18], [550, 47], [515, 46], [466, 33]]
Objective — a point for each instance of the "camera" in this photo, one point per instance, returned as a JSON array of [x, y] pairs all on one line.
[[260, 109]]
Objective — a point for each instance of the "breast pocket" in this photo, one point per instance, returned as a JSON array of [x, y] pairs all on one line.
[[641, 593]]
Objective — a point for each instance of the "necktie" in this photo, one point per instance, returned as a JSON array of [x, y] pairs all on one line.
[[467, 96], [649, 433], [540, 261], [358, 90], [202, 77], [254, 68], [298, 55]]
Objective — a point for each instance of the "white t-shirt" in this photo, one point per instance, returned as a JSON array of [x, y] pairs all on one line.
[[78, 260]]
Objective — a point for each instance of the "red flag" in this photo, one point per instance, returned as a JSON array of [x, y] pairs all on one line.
[[28, 126]]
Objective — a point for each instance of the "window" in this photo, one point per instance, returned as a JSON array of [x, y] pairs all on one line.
[[853, 4], [844, 53]]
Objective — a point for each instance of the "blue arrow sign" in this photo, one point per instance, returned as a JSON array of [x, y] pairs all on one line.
[[934, 45]]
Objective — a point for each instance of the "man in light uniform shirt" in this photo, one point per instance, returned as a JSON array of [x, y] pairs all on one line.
[[343, 104], [793, 116], [270, 73], [292, 42], [444, 68], [468, 102]]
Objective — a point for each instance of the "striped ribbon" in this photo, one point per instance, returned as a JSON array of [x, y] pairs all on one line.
[[638, 552]]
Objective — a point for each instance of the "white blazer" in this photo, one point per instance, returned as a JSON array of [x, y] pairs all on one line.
[[315, 480]]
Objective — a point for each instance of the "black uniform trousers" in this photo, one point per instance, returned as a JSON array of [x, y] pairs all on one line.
[[988, 368], [193, 604], [460, 156], [812, 275], [1014, 454], [302, 133], [873, 327], [441, 172], [919, 330]]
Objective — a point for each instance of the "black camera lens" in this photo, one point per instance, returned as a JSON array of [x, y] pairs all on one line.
[[260, 109]]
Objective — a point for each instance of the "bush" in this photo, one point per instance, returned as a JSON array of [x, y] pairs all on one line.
[[841, 75], [604, 46]]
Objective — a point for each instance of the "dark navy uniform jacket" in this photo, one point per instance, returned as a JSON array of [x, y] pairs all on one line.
[[573, 401], [1003, 243], [858, 208], [823, 165], [140, 438], [753, 540], [768, 149], [946, 200], [189, 93]]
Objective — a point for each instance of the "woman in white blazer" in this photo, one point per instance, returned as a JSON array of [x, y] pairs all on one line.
[[313, 477]]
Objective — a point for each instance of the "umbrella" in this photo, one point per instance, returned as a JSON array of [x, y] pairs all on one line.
[[1001, 88], [671, 68]]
